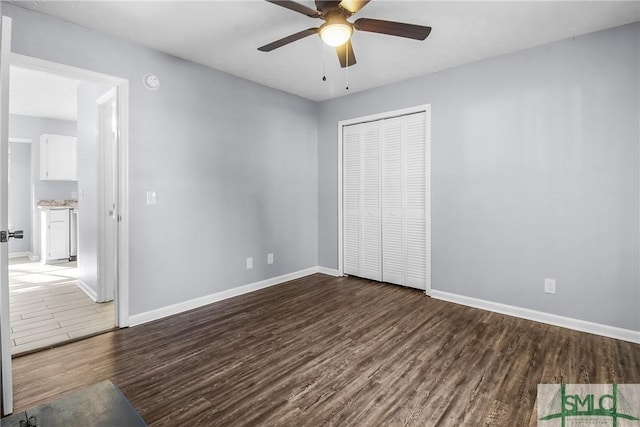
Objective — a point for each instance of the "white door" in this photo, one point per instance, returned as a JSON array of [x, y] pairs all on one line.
[[370, 208], [108, 223], [351, 195], [393, 259], [386, 200], [6, 380], [361, 195], [416, 202]]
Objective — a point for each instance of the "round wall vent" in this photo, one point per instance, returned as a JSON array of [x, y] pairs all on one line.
[[151, 82]]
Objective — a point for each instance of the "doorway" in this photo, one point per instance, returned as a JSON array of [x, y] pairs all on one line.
[[117, 258], [55, 290]]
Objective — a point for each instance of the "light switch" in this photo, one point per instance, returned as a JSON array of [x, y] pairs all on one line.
[[151, 197]]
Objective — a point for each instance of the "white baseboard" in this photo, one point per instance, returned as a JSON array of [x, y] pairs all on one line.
[[542, 317], [159, 313], [329, 271], [20, 254], [87, 290]]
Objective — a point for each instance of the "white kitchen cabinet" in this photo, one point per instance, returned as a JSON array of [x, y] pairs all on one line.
[[54, 234], [58, 158]]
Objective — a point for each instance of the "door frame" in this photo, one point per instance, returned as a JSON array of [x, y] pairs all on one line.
[[6, 374], [107, 252], [122, 89], [425, 108]]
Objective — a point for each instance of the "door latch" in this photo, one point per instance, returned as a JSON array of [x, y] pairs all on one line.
[[6, 235]]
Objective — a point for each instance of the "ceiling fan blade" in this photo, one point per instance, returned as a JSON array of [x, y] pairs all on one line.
[[286, 40], [353, 6], [297, 7], [400, 29], [344, 50]]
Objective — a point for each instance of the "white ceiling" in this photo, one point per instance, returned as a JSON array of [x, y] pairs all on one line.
[[225, 35], [40, 94]]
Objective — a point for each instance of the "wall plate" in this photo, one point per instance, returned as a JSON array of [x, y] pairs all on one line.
[[151, 82]]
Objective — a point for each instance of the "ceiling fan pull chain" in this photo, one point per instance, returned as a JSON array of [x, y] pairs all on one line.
[[324, 63], [347, 67]]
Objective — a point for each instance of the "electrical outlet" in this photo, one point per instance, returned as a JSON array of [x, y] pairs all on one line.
[[269, 258], [550, 286], [249, 263]]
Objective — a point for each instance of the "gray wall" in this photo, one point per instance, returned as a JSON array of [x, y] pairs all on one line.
[[32, 128], [88, 93], [534, 171], [534, 174], [234, 165], [20, 195]]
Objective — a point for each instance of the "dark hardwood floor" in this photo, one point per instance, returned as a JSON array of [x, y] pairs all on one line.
[[330, 351]]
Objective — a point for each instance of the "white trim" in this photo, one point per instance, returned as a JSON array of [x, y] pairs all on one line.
[[87, 290], [329, 271], [6, 375], [20, 140], [122, 84], [386, 115], [159, 313], [426, 108], [122, 290], [20, 254], [542, 317], [70, 71], [340, 202], [427, 214]]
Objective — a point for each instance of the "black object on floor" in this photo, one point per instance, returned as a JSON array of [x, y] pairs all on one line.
[[100, 405]]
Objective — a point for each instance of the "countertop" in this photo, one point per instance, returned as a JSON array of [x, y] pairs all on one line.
[[58, 204]]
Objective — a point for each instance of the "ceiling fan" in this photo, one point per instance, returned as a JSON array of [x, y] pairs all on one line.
[[336, 30]]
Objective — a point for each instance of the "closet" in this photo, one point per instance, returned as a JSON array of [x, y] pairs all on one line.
[[385, 194]]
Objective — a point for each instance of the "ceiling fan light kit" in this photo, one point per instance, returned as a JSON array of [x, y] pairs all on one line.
[[337, 30], [335, 34]]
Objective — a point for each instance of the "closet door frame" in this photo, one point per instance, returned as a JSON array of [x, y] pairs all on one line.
[[426, 109]]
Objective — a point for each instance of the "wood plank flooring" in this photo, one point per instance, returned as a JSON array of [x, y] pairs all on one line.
[[330, 351], [47, 307]]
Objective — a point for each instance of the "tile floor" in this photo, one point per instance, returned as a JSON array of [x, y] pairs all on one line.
[[47, 307]]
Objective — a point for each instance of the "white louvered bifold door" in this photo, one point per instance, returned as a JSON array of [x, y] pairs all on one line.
[[404, 201], [371, 226], [351, 159], [415, 190], [392, 201], [385, 200]]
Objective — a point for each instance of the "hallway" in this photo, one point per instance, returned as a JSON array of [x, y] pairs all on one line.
[[47, 307]]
